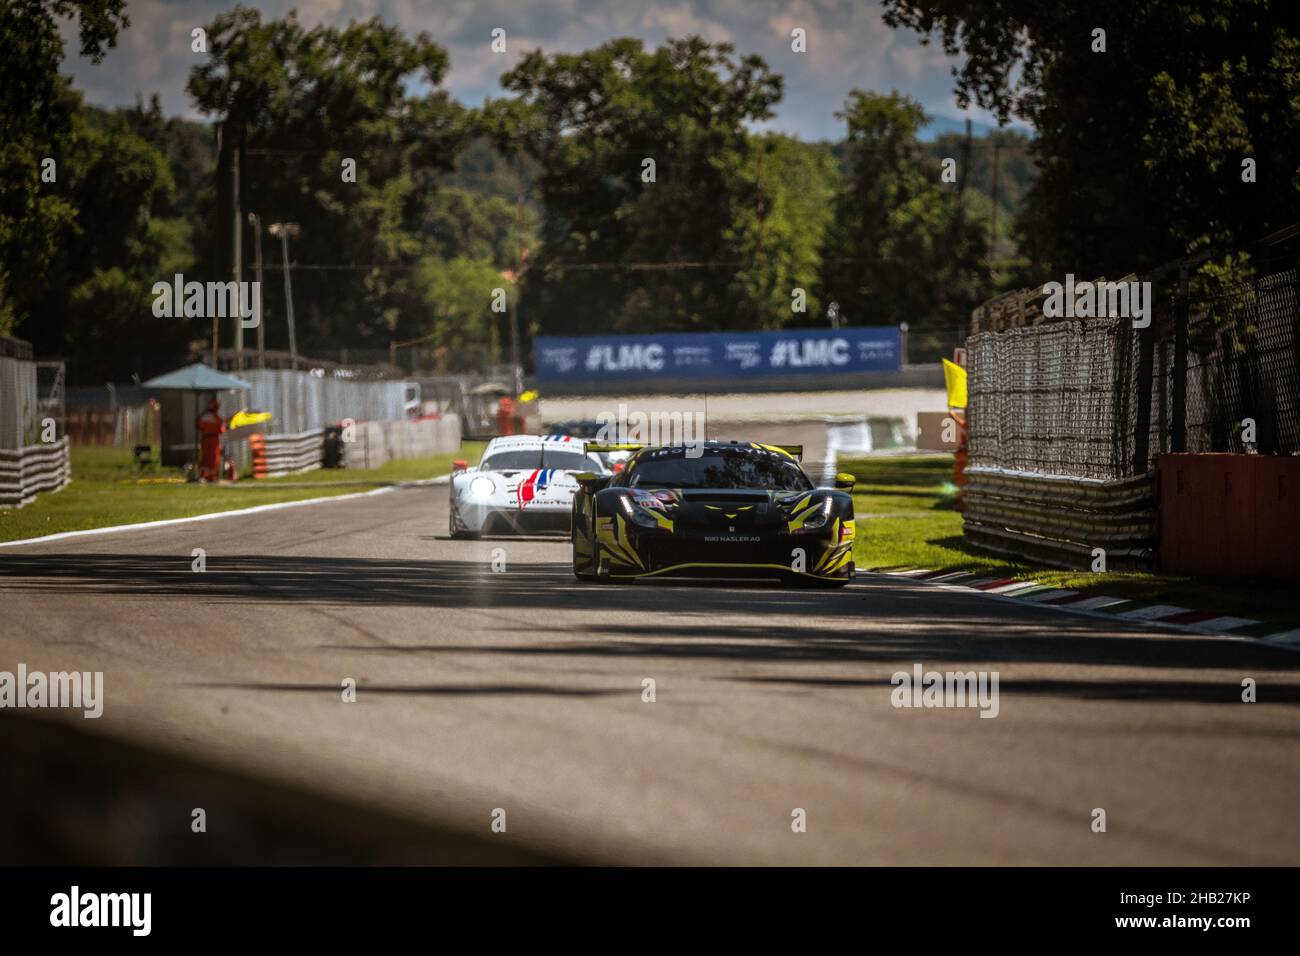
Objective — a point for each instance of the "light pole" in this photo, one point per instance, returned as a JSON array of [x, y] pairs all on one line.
[[256, 222], [516, 366], [285, 230]]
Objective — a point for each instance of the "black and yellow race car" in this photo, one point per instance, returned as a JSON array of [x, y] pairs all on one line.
[[712, 509]]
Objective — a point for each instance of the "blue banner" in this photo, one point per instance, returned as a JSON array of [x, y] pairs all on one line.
[[717, 355]]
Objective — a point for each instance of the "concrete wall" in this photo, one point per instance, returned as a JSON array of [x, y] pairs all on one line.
[[375, 443]]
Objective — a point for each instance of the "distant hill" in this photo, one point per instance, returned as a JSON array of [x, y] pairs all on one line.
[[940, 125]]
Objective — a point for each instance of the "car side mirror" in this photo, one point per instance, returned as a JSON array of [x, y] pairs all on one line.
[[590, 481], [845, 482], [459, 465]]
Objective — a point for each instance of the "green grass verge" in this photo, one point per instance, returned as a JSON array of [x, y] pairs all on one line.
[[907, 519], [108, 489]]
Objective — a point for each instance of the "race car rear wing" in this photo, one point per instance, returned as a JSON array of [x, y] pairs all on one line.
[[600, 448], [794, 451]]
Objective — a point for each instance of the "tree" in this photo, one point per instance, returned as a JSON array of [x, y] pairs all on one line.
[[95, 303], [1140, 147], [901, 247], [645, 170], [465, 330], [37, 106], [463, 223], [779, 239], [301, 102]]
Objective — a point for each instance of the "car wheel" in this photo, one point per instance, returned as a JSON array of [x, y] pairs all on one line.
[[583, 573], [579, 572]]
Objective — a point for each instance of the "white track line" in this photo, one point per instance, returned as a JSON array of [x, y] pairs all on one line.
[[1289, 640], [62, 535]]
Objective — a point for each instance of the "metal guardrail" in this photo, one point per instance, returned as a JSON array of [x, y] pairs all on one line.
[[33, 469], [291, 454], [1059, 521]]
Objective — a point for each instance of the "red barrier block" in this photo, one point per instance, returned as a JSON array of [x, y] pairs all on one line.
[[1233, 515], [1277, 510]]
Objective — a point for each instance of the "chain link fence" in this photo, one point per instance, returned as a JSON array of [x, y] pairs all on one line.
[[1217, 370], [1054, 399], [1243, 368], [1067, 417]]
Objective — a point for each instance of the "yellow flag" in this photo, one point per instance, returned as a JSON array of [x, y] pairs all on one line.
[[241, 419], [954, 376]]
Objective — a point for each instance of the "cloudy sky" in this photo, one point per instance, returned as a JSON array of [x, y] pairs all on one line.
[[848, 46]]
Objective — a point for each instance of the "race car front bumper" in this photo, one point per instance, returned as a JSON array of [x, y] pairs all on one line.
[[534, 519], [627, 551]]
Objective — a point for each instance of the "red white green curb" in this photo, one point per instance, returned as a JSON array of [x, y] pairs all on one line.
[[1166, 615]]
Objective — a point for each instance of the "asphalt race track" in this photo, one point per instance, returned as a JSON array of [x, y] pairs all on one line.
[[522, 690]]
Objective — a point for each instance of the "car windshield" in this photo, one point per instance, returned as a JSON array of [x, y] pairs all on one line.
[[528, 459], [578, 429], [719, 469]]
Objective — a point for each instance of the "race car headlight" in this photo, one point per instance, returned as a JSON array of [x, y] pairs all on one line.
[[482, 488], [638, 516], [818, 521]]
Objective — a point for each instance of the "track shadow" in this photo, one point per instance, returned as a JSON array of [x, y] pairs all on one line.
[[70, 797], [434, 690], [1198, 692], [879, 620]]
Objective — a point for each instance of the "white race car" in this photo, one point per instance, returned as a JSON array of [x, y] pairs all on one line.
[[524, 484]]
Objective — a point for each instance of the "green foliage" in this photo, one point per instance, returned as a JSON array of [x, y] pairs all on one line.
[[779, 239], [619, 253], [462, 223], [484, 170], [1137, 159], [901, 247], [37, 107], [456, 294], [190, 151], [300, 101], [1140, 147], [94, 301]]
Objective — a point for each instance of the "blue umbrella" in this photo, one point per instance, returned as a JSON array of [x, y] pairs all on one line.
[[198, 378]]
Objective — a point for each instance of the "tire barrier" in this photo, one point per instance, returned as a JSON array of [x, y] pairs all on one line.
[[356, 445], [36, 468], [257, 451], [276, 455], [1061, 521]]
